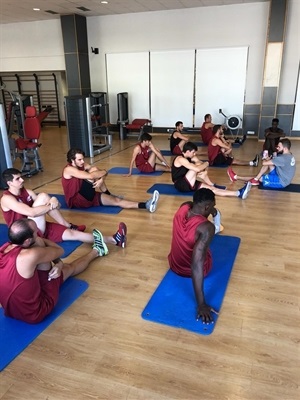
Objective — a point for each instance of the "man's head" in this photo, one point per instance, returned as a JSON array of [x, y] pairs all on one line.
[[284, 146], [207, 118], [217, 129], [75, 157], [22, 232], [189, 149], [179, 126], [275, 122], [145, 137], [204, 200], [12, 178]]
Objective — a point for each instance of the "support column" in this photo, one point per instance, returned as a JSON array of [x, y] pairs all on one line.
[[75, 41], [273, 60]]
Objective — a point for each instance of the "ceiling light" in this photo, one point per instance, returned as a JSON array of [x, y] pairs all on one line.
[[36, 9], [104, 2]]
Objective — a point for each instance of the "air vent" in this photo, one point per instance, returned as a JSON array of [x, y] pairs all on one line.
[[51, 12], [83, 9]]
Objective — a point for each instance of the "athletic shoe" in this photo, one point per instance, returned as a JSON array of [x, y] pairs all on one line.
[[151, 204], [244, 191], [217, 221], [231, 174], [220, 186], [255, 161], [99, 243], [243, 138], [120, 235], [254, 182], [80, 228]]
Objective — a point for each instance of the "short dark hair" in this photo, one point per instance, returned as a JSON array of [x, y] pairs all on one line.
[[19, 231], [286, 143], [178, 123], [206, 116], [189, 146], [203, 195], [71, 154], [275, 120], [216, 128], [145, 136], [8, 174]]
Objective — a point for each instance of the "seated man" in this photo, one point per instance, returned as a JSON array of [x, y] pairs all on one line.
[[275, 173], [206, 129], [18, 202], [220, 151], [177, 139], [80, 181], [272, 136], [144, 157], [31, 272], [190, 255], [189, 174]]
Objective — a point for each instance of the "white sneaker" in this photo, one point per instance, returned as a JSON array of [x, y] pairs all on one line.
[[151, 204]]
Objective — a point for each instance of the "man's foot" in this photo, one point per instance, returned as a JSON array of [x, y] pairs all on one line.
[[243, 138], [217, 221], [220, 186], [231, 174], [120, 235], [151, 204], [255, 161], [99, 243], [243, 192], [254, 182], [80, 228]]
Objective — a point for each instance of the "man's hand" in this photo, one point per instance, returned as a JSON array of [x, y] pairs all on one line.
[[54, 203], [55, 271], [204, 312], [97, 183]]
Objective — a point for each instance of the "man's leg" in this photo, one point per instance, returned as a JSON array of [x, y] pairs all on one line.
[[85, 237], [241, 193], [79, 265], [234, 177], [158, 167]]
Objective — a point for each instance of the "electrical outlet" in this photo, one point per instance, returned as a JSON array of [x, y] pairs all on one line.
[[250, 133]]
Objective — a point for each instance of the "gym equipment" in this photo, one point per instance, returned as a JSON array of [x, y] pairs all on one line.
[[123, 116], [5, 154], [174, 304], [135, 171], [292, 188], [87, 122], [27, 148], [234, 123], [138, 124]]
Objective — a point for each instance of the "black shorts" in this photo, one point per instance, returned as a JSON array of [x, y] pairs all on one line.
[[183, 185], [222, 160]]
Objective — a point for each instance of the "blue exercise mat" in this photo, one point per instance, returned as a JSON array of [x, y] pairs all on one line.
[[95, 209], [16, 335], [292, 188], [174, 304], [168, 189], [135, 171], [167, 153], [69, 246]]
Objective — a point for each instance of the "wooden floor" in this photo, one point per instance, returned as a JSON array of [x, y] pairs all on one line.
[[101, 348]]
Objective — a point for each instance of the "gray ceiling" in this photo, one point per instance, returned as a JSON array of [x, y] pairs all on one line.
[[12, 11]]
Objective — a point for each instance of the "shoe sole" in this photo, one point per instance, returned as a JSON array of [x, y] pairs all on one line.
[[247, 190], [99, 242], [154, 201]]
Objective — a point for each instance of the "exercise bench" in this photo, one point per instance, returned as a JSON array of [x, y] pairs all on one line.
[[138, 124]]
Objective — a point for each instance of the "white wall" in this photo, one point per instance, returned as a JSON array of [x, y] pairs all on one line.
[[204, 27], [32, 46]]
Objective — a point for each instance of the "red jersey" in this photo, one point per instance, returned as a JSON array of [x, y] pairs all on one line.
[[11, 216], [141, 160], [206, 133], [212, 152], [28, 300], [72, 187], [183, 241]]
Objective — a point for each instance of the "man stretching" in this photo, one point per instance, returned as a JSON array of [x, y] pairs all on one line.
[[190, 255], [189, 174], [31, 272], [18, 202], [275, 173], [177, 139], [144, 157], [80, 181]]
